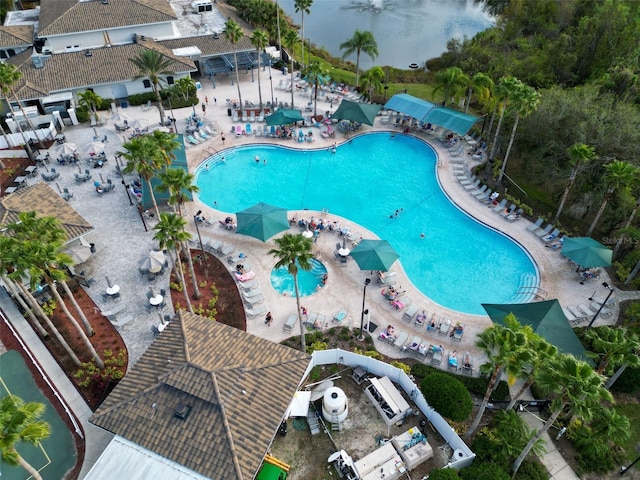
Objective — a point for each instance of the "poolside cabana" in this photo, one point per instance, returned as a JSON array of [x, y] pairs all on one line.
[[427, 112]]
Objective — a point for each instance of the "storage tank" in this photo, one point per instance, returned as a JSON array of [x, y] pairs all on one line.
[[335, 405]]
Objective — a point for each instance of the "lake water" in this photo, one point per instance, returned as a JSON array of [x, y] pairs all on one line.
[[406, 31]]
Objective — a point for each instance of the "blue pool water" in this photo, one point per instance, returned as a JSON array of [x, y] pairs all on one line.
[[309, 281], [460, 263]]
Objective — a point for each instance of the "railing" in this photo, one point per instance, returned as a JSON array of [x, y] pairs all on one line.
[[537, 291]]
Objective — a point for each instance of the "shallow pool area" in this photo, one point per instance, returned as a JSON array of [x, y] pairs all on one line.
[[309, 281], [453, 259]]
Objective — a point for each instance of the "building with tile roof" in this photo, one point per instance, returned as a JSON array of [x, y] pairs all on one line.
[[15, 39], [205, 396], [45, 202]]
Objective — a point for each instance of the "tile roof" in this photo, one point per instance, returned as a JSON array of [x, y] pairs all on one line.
[[16, 35], [238, 387], [59, 17], [43, 200], [66, 71], [208, 45]]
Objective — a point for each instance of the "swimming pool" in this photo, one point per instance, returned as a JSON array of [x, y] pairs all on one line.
[[460, 263], [309, 281]]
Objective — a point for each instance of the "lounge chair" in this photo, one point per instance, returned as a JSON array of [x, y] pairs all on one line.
[[291, 321], [552, 236], [318, 324], [578, 316], [202, 134], [227, 250], [452, 363], [234, 117], [573, 319], [66, 194], [239, 131], [256, 311], [467, 363], [534, 226], [214, 247], [458, 332], [400, 339], [479, 191], [473, 186], [191, 139], [311, 319], [543, 232], [444, 326], [245, 117], [409, 313], [484, 197], [248, 129], [250, 285], [508, 211], [436, 357], [252, 116], [421, 319], [261, 116], [245, 277], [339, 317], [500, 206], [515, 216], [254, 300]]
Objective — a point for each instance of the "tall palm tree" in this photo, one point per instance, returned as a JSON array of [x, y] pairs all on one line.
[[524, 102], [502, 92], [290, 41], [20, 423], [618, 176], [152, 64], [294, 252], [579, 154], [145, 157], [507, 349], [371, 81], [303, 6], [358, 43], [624, 232], [178, 183], [260, 40], [167, 144], [9, 76], [613, 347], [574, 384], [451, 82], [170, 233], [481, 85], [90, 100], [233, 33], [317, 75]]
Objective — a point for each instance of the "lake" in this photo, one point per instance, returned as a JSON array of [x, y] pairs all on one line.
[[407, 31]]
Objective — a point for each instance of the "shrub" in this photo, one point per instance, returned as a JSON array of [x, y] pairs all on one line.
[[484, 471], [402, 366], [444, 474], [476, 385], [532, 469], [447, 395]]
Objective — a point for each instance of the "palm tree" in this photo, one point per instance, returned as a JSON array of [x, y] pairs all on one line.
[[574, 384], [625, 231], [90, 100], [144, 156], [613, 347], [360, 42], [524, 102], [481, 85], [619, 175], [317, 75], [167, 144], [290, 41], [178, 183], [9, 76], [170, 233], [20, 423], [260, 40], [303, 6], [452, 82], [371, 81], [233, 33], [294, 252], [502, 92], [152, 64], [579, 154], [507, 349]]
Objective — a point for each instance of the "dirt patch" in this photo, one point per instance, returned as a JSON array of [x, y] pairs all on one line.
[[14, 167]]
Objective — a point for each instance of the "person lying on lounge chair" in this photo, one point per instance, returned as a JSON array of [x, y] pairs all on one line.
[[453, 361], [387, 333], [458, 329]]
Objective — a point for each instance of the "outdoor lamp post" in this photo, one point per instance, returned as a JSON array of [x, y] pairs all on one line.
[[367, 281], [126, 188], [195, 220], [605, 285], [623, 470]]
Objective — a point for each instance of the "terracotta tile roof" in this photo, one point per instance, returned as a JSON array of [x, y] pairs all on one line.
[[66, 71], [43, 200], [16, 35], [59, 17], [238, 387], [208, 45]]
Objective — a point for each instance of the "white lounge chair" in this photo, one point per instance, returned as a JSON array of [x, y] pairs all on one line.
[[339, 317], [534, 226], [409, 313], [291, 321], [256, 311], [400, 339]]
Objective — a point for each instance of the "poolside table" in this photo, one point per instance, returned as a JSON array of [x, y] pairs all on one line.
[[344, 252], [10, 189], [31, 170], [157, 300], [21, 180], [112, 290]]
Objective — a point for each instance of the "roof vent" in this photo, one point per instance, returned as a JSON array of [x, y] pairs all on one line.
[[143, 38], [182, 411], [88, 53], [216, 36], [38, 60], [105, 2]]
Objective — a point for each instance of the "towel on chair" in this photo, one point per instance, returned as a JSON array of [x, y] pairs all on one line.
[[245, 276]]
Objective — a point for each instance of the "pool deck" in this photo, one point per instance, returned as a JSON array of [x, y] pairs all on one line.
[[121, 241]]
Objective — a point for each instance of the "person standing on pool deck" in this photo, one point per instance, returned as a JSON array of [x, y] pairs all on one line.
[[222, 138], [204, 108], [268, 319]]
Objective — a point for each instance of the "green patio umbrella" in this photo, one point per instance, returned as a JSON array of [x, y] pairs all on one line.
[[283, 117], [546, 319], [586, 252], [357, 112], [374, 255], [262, 221]]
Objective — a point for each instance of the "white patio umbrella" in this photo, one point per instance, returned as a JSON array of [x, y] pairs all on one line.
[[65, 149], [119, 118], [94, 148], [79, 253], [138, 124]]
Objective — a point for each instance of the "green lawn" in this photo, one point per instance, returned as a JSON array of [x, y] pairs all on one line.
[[631, 411]]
